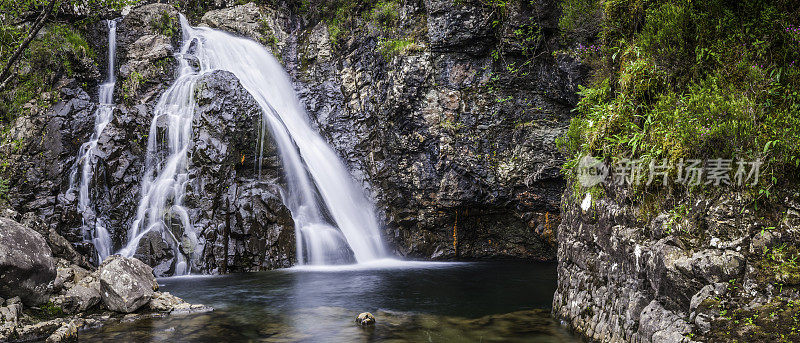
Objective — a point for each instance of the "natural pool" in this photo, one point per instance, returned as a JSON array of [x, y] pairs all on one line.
[[412, 302]]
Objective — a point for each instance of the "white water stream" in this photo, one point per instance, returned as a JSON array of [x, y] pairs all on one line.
[[86, 161], [333, 218]]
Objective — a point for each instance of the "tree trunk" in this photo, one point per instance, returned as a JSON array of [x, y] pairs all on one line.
[[6, 75]]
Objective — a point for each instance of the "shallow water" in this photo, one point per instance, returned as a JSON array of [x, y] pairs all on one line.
[[412, 302]]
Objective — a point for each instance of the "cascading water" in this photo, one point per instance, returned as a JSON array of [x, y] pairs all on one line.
[[334, 221], [87, 160]]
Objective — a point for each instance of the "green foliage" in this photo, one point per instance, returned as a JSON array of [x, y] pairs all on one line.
[[3, 191], [130, 86], [20, 8], [60, 50], [165, 24], [667, 35], [694, 80], [194, 9], [339, 15], [574, 15], [381, 18], [780, 265], [385, 14]]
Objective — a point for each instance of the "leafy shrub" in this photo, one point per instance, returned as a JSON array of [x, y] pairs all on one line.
[[165, 24], [694, 80], [60, 50]]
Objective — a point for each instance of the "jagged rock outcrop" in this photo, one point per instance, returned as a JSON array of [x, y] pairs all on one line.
[[672, 276], [459, 153], [39, 169], [147, 38], [26, 264], [234, 190], [42, 145], [262, 24], [458, 165]]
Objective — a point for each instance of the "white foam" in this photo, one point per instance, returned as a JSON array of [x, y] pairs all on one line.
[[385, 263]]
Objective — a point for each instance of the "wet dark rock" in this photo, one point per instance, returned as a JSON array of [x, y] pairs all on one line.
[[40, 148], [460, 26], [458, 168], [26, 264], [154, 251], [365, 319], [61, 247], [234, 194], [126, 284]]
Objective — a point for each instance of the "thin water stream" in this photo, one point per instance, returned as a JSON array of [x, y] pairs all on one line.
[[94, 223]]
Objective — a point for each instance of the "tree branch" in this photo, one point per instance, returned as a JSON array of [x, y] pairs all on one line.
[[6, 75]]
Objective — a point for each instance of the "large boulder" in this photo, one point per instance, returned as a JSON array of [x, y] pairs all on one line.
[[27, 269], [84, 295], [126, 283]]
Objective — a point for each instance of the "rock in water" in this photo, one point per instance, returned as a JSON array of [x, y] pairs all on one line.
[[126, 283], [67, 332], [27, 269], [365, 319]]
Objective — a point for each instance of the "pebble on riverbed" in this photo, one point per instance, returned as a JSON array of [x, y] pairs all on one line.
[[365, 319]]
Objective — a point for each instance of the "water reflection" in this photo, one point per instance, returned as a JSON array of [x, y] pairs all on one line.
[[489, 302]]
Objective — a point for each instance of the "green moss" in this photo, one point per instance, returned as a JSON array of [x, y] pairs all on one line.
[[779, 265], [47, 311], [577, 14], [776, 321], [3, 191], [269, 37], [393, 47], [385, 14], [130, 85]]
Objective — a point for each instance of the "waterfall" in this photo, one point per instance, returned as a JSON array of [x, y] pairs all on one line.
[[86, 161], [334, 221]]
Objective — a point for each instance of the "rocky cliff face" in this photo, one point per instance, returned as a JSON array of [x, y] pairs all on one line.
[[457, 147], [241, 221], [690, 272]]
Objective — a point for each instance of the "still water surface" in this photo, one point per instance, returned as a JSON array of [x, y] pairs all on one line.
[[412, 302]]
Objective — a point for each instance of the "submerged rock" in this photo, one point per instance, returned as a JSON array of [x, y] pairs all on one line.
[[166, 302], [365, 319], [27, 269], [126, 284]]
